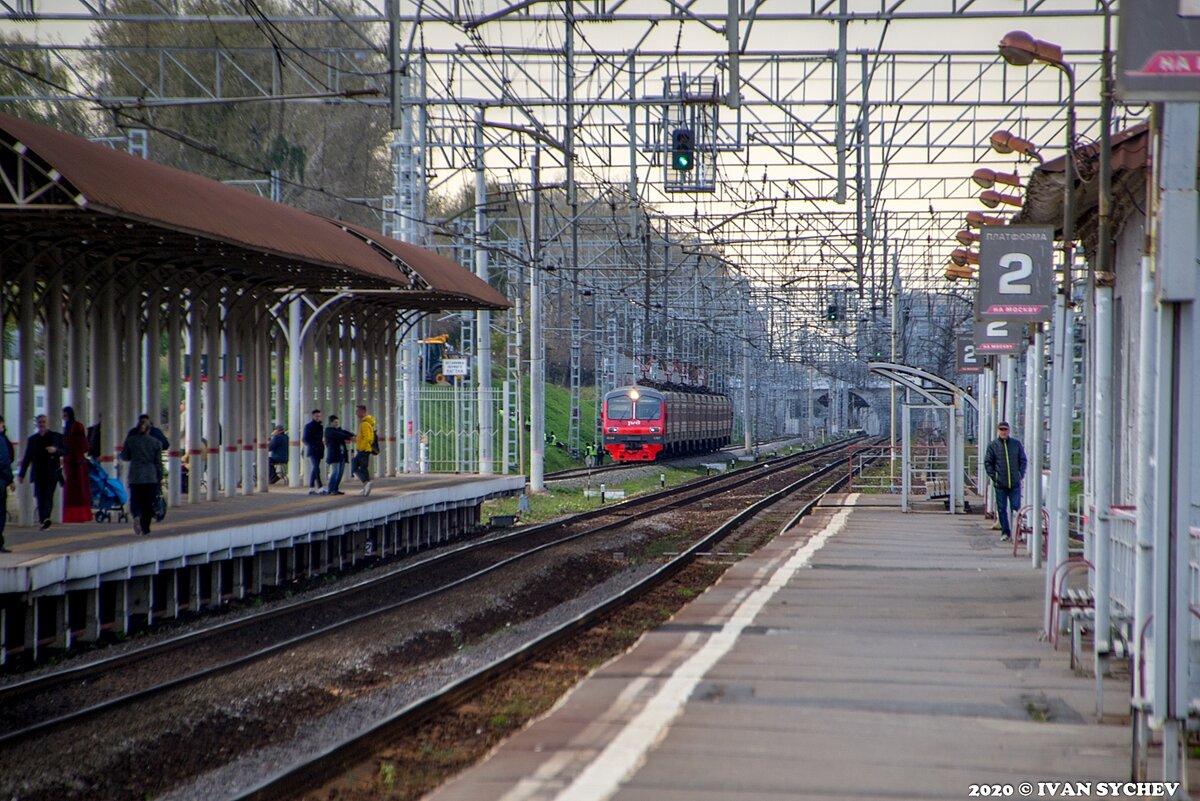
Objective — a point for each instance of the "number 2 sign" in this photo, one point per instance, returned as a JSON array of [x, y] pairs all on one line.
[[969, 359], [1016, 272]]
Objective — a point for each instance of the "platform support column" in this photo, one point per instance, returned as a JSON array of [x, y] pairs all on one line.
[[52, 304], [3, 635], [77, 354], [215, 585], [32, 625], [92, 622], [26, 381], [121, 607], [906, 456], [192, 447], [231, 424], [195, 590], [174, 580], [174, 392], [62, 622], [212, 402]]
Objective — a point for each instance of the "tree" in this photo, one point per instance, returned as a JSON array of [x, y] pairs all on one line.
[[323, 151], [27, 72]]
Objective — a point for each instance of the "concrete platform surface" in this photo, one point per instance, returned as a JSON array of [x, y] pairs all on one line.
[[68, 553], [868, 654]]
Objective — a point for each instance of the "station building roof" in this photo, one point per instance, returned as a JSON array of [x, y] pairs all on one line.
[[58, 190], [1044, 196]]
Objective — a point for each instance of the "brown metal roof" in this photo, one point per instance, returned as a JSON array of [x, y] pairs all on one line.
[[113, 183]]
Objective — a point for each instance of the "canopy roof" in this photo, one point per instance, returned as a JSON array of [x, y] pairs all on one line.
[[55, 187]]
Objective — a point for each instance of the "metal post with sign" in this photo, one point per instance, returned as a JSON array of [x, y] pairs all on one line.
[[1159, 61]]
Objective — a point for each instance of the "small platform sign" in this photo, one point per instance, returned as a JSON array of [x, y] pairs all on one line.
[[998, 336], [454, 367], [970, 361]]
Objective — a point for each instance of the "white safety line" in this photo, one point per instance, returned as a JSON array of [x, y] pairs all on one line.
[[627, 752], [546, 777]]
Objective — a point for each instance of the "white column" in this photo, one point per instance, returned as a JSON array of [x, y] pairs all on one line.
[[174, 393]]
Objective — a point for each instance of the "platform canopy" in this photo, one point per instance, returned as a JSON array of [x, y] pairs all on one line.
[[61, 192], [932, 387]]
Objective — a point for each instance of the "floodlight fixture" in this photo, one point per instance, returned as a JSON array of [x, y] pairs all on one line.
[[1020, 49], [966, 237], [976, 218], [963, 257], [992, 199], [1006, 142], [986, 178]]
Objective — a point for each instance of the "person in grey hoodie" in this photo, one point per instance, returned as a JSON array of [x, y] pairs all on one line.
[[144, 454]]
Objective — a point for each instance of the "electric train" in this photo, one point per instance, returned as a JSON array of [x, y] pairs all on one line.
[[642, 423]]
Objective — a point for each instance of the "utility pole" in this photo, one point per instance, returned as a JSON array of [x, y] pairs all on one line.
[[537, 345], [483, 318]]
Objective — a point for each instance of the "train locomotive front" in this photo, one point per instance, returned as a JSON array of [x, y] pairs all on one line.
[[642, 423]]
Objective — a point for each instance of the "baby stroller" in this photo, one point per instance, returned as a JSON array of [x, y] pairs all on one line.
[[108, 494]]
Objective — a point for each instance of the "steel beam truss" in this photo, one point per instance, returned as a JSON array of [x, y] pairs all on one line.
[[671, 268]]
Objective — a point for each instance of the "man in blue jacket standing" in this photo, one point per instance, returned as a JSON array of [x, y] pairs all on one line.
[[1005, 465]]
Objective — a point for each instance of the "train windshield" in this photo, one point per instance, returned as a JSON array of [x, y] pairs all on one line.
[[621, 407], [649, 408]]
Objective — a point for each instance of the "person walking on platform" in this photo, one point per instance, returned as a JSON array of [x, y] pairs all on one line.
[[6, 479], [1005, 465], [155, 431], [277, 452], [43, 453], [314, 441], [336, 453], [77, 487], [366, 445], [144, 454]]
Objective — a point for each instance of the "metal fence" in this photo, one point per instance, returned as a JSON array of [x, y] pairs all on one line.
[[449, 428]]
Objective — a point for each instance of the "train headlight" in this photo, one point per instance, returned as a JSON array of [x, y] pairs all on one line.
[[612, 430], [654, 430], [634, 394]]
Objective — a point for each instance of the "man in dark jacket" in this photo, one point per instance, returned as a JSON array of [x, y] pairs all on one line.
[[336, 453], [43, 452], [277, 452], [314, 442], [6, 478], [144, 454], [154, 431], [1005, 465]]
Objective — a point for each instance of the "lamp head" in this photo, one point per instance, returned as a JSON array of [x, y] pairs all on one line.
[[976, 219], [984, 177], [1007, 142], [992, 199], [966, 237], [963, 257], [1020, 49]]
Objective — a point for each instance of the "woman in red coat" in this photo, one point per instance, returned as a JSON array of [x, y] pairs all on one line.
[[77, 490]]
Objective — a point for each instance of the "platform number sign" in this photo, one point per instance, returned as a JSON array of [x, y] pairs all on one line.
[[998, 336], [970, 360], [1016, 272]]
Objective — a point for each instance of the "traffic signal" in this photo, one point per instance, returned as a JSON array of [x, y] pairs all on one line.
[[831, 312], [683, 147]]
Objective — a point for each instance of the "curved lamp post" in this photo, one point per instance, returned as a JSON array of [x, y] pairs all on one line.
[[1020, 49]]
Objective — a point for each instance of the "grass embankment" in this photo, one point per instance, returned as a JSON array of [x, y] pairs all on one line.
[[558, 501]]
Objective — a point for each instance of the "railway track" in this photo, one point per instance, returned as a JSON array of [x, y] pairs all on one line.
[[74, 696], [294, 781], [586, 472]]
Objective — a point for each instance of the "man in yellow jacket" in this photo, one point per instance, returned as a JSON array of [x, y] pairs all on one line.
[[366, 444]]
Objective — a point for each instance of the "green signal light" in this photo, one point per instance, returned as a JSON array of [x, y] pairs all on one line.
[[683, 161]]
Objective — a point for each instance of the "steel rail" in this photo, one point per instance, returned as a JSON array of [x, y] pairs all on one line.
[[44, 683], [295, 780]]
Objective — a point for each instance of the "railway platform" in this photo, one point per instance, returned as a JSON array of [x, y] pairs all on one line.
[[73, 582], [866, 654]]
